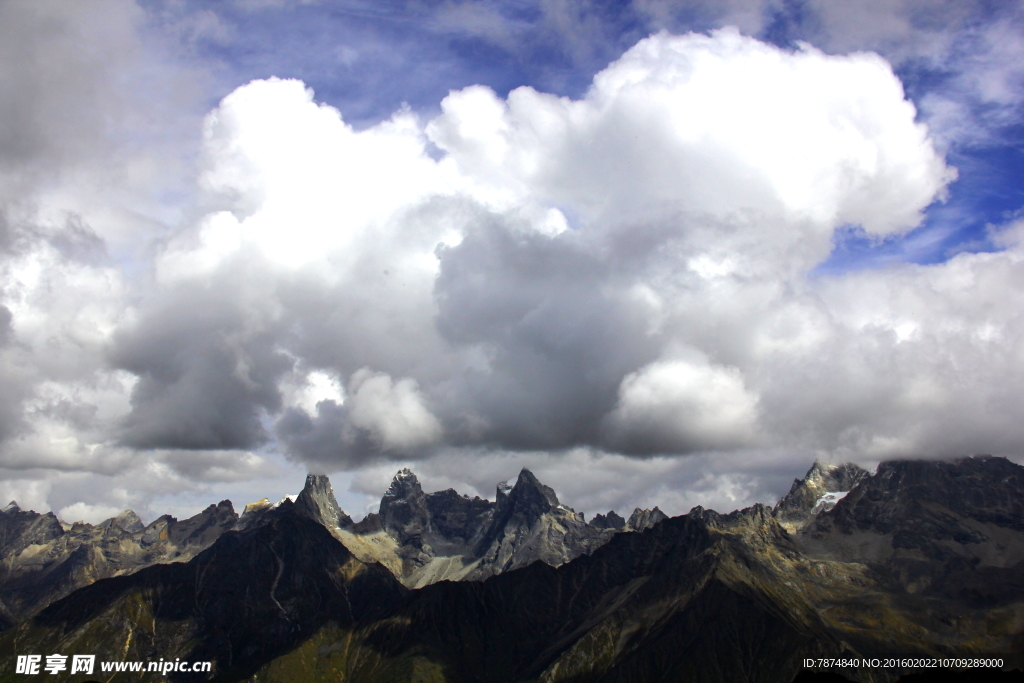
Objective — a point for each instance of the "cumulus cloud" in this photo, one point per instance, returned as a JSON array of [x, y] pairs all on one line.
[[715, 126], [532, 285], [85, 512], [681, 406], [627, 273], [392, 411]]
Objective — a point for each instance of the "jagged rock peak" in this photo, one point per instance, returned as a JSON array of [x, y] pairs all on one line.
[[127, 521], [608, 521], [502, 491], [316, 501], [405, 482], [645, 519], [821, 479], [982, 488], [403, 509], [842, 476], [11, 507], [528, 487]]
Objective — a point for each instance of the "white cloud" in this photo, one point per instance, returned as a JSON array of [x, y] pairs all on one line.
[[301, 182], [717, 126], [393, 412], [84, 512], [525, 290], [681, 406], [704, 175], [318, 386]]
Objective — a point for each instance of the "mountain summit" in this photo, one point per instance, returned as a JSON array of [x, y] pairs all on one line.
[[820, 489], [443, 535], [316, 501], [919, 560]]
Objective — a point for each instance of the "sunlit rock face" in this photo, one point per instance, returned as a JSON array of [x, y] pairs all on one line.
[[818, 491], [317, 502], [530, 524], [644, 519]]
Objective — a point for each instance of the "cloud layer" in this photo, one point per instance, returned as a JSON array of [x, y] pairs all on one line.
[[630, 274], [629, 271]]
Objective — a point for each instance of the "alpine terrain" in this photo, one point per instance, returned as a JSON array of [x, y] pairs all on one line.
[[920, 559]]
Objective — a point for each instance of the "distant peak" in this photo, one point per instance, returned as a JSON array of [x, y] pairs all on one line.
[[404, 483], [257, 505], [527, 482], [317, 481], [642, 519], [11, 507], [129, 522], [608, 521], [317, 502], [405, 475]]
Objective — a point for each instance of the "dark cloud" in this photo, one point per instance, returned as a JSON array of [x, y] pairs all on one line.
[[555, 325], [208, 368], [324, 439]]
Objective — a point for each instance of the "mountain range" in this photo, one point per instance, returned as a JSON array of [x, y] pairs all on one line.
[[920, 558]]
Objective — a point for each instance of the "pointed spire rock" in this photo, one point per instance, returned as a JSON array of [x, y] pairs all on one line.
[[529, 490], [529, 524], [317, 502], [403, 509], [11, 507]]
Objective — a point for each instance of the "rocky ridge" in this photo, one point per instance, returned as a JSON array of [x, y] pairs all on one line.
[[447, 536], [420, 537], [702, 597], [947, 529], [44, 559]]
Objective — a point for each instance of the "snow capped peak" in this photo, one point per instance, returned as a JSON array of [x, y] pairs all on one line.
[[11, 507], [292, 497]]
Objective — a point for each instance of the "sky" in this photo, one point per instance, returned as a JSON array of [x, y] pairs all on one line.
[[661, 253]]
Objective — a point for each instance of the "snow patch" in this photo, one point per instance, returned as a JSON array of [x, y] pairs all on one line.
[[292, 497], [828, 501]]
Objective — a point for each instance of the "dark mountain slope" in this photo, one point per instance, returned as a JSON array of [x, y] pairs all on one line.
[[947, 529], [699, 598], [677, 598], [252, 596], [43, 561]]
